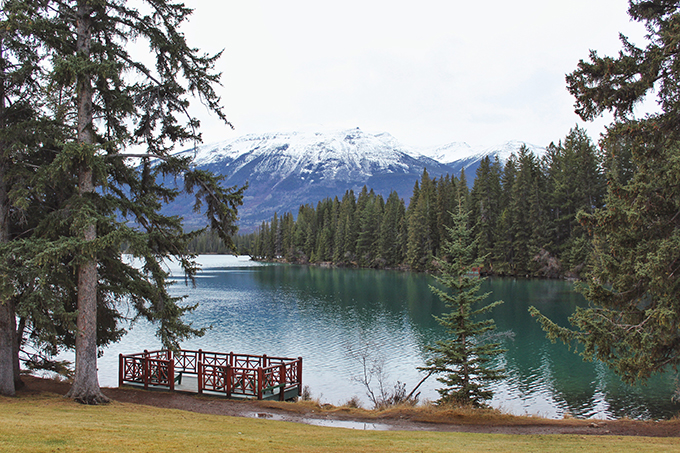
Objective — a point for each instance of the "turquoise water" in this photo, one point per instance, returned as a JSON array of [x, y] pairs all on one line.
[[335, 317]]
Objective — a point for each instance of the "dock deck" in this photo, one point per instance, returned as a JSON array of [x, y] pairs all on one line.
[[227, 374]]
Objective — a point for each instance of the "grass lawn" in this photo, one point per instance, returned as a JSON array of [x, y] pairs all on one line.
[[49, 423]]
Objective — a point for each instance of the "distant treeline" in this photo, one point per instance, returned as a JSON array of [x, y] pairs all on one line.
[[524, 213]]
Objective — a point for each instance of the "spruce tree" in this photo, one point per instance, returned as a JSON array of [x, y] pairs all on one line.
[[22, 126], [391, 241], [287, 227], [340, 229], [446, 200], [464, 358], [485, 199], [526, 213], [421, 213], [117, 106], [633, 321], [503, 254], [351, 226], [576, 184], [369, 213]]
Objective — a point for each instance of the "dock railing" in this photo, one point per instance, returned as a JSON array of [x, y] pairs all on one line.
[[230, 374]]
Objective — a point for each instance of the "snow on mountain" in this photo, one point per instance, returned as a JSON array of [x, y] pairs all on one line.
[[281, 154], [461, 151], [503, 151], [286, 170], [451, 152]]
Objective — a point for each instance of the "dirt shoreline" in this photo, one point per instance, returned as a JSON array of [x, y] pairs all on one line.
[[405, 418]]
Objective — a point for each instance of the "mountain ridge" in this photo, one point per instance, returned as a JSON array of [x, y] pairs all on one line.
[[287, 169]]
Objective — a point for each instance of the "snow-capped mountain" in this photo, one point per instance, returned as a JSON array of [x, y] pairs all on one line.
[[456, 152], [285, 170], [459, 156], [451, 152], [345, 155]]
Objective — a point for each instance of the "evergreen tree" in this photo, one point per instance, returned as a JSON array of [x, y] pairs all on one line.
[[526, 213], [19, 88], [392, 239], [311, 229], [503, 254], [275, 240], [29, 140], [287, 228], [340, 227], [576, 184], [326, 229], [422, 209], [633, 320], [446, 200], [462, 188], [351, 226], [464, 358], [369, 213], [304, 235], [117, 103], [485, 199]]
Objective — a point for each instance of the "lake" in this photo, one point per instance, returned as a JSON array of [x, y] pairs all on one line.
[[335, 317]]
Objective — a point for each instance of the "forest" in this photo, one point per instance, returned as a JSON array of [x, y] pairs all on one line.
[[524, 214]]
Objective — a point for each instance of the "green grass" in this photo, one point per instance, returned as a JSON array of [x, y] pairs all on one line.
[[49, 423]]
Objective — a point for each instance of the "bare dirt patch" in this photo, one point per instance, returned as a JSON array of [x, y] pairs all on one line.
[[402, 418]]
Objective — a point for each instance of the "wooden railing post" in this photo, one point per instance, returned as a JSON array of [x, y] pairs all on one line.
[[121, 369], [171, 372], [146, 370], [200, 377], [200, 369], [260, 382], [282, 383], [299, 375], [227, 380], [264, 361]]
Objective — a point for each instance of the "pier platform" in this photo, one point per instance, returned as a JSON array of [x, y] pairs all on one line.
[[213, 373]]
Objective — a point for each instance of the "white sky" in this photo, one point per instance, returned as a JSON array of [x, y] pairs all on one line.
[[428, 72]]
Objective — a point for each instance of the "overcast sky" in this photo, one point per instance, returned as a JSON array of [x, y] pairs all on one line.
[[427, 72]]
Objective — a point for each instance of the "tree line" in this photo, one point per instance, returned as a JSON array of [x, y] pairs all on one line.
[[523, 215]]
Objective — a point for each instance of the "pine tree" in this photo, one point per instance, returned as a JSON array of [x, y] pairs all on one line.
[[633, 321], [465, 356]]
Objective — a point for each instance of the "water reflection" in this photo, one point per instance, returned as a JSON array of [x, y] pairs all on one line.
[[320, 314]]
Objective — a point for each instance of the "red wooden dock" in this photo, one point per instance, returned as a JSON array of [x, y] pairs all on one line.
[[229, 374]]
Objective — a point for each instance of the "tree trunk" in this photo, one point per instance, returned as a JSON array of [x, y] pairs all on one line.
[[7, 330], [85, 387], [7, 317], [6, 349]]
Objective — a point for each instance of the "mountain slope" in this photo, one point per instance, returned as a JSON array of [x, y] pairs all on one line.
[[285, 170]]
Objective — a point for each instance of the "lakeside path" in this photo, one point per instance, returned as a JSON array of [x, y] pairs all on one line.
[[398, 419]]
